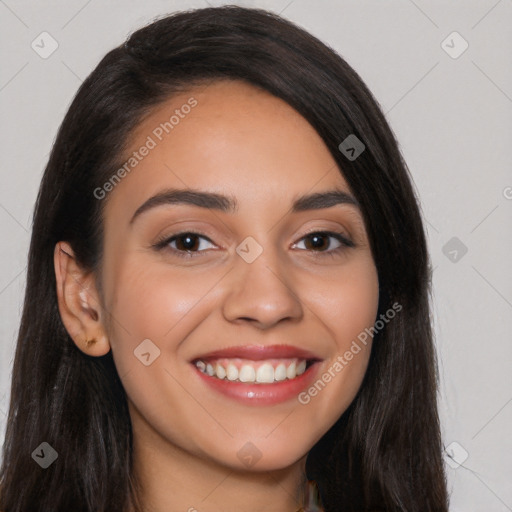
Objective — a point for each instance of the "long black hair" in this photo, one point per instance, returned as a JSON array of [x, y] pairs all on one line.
[[385, 452]]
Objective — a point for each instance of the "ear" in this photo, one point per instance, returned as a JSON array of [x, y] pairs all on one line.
[[79, 303]]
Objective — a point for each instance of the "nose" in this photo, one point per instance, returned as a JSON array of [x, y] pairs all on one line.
[[261, 293]]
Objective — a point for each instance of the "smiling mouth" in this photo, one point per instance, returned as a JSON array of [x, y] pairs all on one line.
[[247, 371], [261, 375]]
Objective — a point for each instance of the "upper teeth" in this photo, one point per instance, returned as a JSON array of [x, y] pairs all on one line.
[[263, 372]]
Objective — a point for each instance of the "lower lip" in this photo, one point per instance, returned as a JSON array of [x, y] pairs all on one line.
[[261, 394]]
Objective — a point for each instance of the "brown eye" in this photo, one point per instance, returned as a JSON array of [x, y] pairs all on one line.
[[325, 242], [187, 242], [317, 241]]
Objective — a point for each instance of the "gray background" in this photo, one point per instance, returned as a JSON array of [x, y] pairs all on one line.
[[452, 117]]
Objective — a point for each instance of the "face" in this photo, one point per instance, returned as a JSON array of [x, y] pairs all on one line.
[[234, 307]]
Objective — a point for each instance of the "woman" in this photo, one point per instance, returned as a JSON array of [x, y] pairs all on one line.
[[227, 303]]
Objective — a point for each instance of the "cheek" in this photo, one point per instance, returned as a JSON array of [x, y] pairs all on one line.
[[151, 301], [162, 304], [346, 304], [346, 301]]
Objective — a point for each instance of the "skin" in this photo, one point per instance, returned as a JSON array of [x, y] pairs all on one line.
[[244, 143]]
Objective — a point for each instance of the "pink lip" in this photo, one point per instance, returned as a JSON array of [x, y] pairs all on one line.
[[259, 352], [260, 394]]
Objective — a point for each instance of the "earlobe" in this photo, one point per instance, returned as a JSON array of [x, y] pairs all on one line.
[[79, 303]]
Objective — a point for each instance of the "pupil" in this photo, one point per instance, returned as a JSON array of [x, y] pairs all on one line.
[[318, 241], [188, 242]]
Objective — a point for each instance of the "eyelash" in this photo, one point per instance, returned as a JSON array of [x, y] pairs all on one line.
[[164, 242]]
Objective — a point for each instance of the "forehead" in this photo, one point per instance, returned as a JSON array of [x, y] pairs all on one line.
[[227, 137]]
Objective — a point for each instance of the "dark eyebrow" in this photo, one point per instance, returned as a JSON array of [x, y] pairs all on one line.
[[228, 204], [186, 196], [320, 200]]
